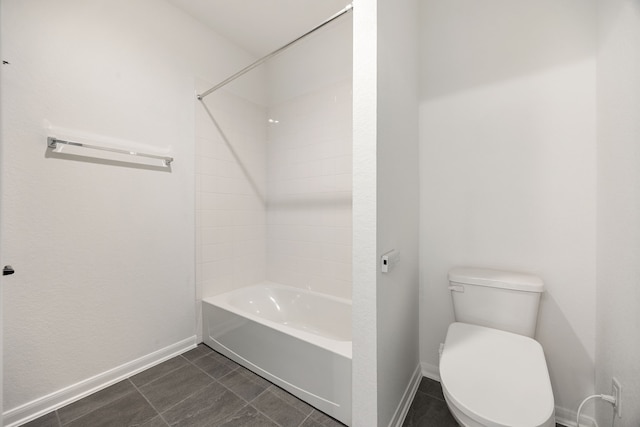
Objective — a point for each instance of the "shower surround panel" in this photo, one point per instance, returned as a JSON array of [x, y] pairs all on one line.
[[274, 191], [230, 194], [309, 170]]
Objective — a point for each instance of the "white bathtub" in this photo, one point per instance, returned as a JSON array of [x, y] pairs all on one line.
[[297, 339]]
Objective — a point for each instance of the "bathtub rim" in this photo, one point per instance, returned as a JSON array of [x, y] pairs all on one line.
[[342, 348]]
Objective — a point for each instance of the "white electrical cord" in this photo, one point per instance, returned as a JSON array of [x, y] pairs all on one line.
[[605, 397]]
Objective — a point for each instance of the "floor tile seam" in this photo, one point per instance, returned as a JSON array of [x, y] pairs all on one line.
[[246, 375], [313, 408], [254, 382], [248, 402], [211, 376], [285, 402], [227, 360], [326, 421], [57, 418], [182, 400], [268, 417], [218, 394], [305, 419], [158, 378], [102, 405], [267, 389], [191, 361], [108, 403], [247, 405], [150, 404], [235, 368], [197, 358], [263, 413], [433, 396]]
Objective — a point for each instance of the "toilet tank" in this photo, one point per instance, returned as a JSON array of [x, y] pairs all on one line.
[[497, 299]]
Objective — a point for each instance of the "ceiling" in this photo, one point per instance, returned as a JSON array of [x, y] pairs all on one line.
[[261, 26]]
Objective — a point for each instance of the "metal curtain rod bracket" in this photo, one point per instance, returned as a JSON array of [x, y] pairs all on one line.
[[265, 58], [53, 142]]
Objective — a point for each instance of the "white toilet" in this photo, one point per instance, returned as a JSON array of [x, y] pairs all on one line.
[[493, 373]]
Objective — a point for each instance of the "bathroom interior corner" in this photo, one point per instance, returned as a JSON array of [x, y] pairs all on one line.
[[461, 133]]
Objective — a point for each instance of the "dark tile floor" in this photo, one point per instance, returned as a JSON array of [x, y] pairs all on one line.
[[204, 388], [198, 388], [429, 408]]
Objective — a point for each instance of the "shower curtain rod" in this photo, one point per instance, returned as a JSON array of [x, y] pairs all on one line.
[[272, 54]]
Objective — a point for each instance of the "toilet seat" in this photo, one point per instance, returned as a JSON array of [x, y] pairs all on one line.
[[495, 378]]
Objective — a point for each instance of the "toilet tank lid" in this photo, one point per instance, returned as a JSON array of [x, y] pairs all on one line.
[[496, 279]]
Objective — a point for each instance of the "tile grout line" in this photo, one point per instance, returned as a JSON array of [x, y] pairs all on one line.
[[137, 389], [208, 355], [266, 390], [267, 416], [156, 379], [213, 380], [235, 369], [222, 376], [432, 396], [247, 402], [286, 403], [58, 418], [150, 404], [258, 411], [102, 405], [305, 419], [217, 379], [179, 402]]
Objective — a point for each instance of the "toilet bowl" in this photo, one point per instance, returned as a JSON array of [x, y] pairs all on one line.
[[493, 373], [493, 378]]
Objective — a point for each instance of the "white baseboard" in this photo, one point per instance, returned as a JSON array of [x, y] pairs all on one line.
[[430, 371], [567, 418], [41, 406], [407, 398]]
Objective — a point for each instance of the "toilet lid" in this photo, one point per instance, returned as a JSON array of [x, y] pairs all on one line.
[[495, 377]]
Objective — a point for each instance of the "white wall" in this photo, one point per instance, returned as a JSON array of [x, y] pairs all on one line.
[[508, 167], [618, 293], [365, 260], [385, 349], [397, 205], [104, 252]]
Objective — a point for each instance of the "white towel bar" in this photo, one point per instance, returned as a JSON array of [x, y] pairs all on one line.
[[53, 142]]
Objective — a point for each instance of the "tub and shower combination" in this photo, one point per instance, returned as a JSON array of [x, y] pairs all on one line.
[[297, 339]]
